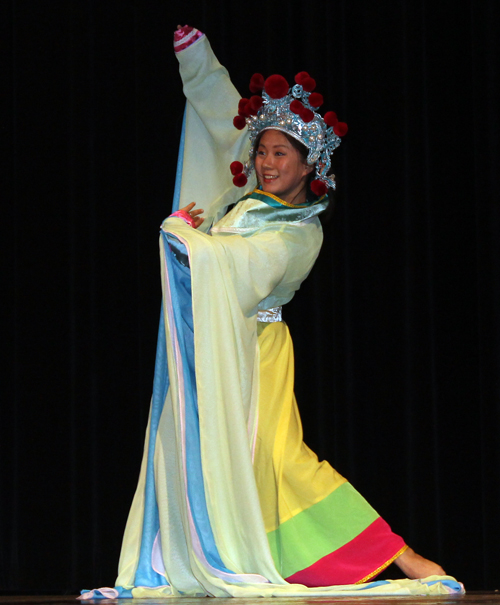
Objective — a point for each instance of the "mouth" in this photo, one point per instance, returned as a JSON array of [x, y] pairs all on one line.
[[268, 178]]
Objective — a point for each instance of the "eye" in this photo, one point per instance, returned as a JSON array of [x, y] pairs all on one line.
[[280, 153]]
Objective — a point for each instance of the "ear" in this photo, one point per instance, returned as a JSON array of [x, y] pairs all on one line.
[[308, 169]]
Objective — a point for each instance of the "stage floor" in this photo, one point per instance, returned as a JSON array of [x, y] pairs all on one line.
[[471, 598]]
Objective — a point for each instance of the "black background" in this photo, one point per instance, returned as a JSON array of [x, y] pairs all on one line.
[[396, 331]]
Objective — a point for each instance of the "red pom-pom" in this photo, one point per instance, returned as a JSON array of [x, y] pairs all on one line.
[[256, 83], [240, 180], [236, 167], [276, 86], [307, 115], [330, 118], [254, 104], [340, 129], [239, 122], [309, 84], [316, 99], [242, 107], [296, 107], [301, 76], [318, 188]]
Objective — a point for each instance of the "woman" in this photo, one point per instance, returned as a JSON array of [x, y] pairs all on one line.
[[230, 501]]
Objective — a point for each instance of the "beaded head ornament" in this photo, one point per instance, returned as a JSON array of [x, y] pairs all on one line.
[[294, 112]]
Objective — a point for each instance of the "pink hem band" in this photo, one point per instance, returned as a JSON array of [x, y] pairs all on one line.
[[185, 37], [185, 216]]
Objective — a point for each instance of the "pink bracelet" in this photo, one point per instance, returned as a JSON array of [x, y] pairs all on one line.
[[185, 216], [186, 36]]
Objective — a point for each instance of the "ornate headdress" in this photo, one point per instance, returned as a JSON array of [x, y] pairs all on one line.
[[294, 112]]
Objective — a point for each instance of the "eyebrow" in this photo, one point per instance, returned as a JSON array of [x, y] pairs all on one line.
[[273, 146]]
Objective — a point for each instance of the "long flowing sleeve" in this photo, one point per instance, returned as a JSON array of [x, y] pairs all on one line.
[[211, 140]]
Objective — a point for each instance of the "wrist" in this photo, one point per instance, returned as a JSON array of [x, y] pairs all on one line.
[[185, 36], [185, 216]]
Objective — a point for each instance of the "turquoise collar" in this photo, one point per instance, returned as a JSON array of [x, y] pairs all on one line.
[[276, 202], [259, 209]]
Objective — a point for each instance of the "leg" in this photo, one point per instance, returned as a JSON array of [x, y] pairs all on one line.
[[414, 566]]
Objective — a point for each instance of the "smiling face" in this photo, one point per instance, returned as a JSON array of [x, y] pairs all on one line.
[[280, 168]]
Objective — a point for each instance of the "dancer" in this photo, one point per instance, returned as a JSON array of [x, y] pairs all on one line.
[[230, 501]]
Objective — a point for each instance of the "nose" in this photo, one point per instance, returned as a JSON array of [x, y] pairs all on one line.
[[268, 161]]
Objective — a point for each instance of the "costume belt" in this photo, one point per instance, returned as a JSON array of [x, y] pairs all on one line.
[[269, 315]]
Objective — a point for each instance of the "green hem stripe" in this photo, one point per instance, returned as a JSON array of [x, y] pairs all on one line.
[[320, 529]]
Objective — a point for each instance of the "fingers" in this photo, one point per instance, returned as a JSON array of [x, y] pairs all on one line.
[[189, 209], [194, 214]]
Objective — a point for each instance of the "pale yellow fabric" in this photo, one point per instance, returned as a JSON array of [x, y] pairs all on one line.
[[129, 556], [301, 242], [394, 588], [211, 141]]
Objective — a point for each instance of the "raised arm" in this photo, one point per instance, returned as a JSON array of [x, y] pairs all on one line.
[[211, 141], [210, 91]]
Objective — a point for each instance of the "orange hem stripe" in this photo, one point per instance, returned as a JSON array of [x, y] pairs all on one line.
[[382, 567]]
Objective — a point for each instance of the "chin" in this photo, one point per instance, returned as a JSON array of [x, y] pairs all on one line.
[[271, 188], [274, 188]]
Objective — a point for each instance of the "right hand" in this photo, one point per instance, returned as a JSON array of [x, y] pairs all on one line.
[[182, 30], [194, 214]]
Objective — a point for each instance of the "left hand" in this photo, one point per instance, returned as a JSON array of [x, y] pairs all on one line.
[[194, 214]]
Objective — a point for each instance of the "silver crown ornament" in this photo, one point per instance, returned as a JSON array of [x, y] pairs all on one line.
[[287, 114]]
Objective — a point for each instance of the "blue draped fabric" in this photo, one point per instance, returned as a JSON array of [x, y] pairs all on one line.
[[180, 293], [145, 575]]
